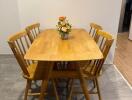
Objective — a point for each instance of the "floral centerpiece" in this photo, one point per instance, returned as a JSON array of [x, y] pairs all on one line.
[[63, 27]]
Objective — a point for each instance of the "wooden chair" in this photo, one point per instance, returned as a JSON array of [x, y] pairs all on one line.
[[94, 28], [32, 31], [92, 71], [19, 43]]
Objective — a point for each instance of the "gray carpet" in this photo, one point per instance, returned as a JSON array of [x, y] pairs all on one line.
[[12, 84]]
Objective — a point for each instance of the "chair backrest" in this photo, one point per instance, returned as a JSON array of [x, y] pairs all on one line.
[[33, 30], [19, 43], [104, 41], [94, 28]]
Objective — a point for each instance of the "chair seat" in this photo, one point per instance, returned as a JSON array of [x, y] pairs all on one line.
[[85, 67], [87, 70], [31, 69], [35, 72]]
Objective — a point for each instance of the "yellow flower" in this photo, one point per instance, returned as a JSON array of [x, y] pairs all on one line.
[[63, 23]]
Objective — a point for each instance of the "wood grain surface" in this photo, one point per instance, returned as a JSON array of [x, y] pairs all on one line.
[[48, 46]]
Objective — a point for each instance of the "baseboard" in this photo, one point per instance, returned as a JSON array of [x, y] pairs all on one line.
[[6, 55], [123, 77]]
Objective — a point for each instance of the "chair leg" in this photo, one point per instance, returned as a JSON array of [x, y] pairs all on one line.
[[71, 90], [28, 86], [55, 90], [43, 89], [98, 90], [83, 85], [94, 83]]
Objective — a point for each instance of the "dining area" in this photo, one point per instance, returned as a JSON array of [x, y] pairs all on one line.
[[48, 57], [60, 50]]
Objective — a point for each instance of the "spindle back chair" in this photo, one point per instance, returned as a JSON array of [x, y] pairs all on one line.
[[19, 43], [33, 30], [104, 41], [91, 70], [94, 28]]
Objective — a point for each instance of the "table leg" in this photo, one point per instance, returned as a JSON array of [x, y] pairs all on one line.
[[48, 69], [83, 85]]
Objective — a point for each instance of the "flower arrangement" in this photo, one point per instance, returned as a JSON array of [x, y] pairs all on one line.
[[63, 27]]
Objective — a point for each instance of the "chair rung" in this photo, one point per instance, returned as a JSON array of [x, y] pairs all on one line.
[[74, 93], [34, 94], [93, 92]]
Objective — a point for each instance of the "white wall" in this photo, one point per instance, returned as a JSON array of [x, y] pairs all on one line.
[[9, 23], [79, 12]]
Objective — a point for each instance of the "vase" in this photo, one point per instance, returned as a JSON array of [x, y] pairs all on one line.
[[64, 36]]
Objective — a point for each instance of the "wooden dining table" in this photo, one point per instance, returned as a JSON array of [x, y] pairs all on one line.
[[49, 47]]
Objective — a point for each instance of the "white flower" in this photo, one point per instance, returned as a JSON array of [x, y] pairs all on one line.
[[59, 28], [63, 23], [68, 27], [64, 29]]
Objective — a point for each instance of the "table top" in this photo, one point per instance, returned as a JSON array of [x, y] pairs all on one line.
[[48, 46]]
